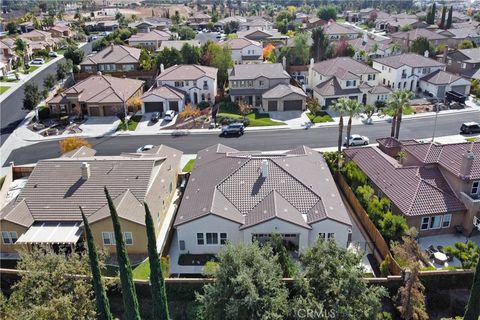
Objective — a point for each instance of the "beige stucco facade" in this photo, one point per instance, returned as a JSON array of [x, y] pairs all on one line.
[[11, 227]]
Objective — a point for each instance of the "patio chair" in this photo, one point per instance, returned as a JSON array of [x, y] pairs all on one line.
[[432, 248]]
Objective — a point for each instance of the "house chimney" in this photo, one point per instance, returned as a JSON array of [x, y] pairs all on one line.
[[284, 63], [264, 168], [111, 46], [425, 54], [162, 67], [445, 52], [85, 171], [467, 161], [365, 37]]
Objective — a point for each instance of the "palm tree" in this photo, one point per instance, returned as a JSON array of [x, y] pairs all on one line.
[[353, 109], [398, 102], [340, 107]]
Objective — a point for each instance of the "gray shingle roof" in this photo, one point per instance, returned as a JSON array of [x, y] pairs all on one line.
[[166, 92], [228, 183], [114, 54], [441, 77], [414, 190], [187, 72], [254, 71], [281, 90]]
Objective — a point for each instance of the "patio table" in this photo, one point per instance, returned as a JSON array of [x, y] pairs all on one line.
[[440, 257]]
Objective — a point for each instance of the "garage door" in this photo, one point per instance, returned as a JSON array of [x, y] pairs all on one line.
[[272, 106], [94, 111], [292, 105], [111, 111], [460, 89], [173, 105], [153, 106], [330, 101]]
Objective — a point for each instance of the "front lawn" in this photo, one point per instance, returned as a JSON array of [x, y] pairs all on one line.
[[31, 69], [3, 89], [255, 118], [472, 139], [142, 271], [189, 165], [406, 111], [9, 79], [132, 124], [320, 117]]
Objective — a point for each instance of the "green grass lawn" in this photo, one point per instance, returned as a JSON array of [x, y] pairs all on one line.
[[142, 271], [31, 69], [257, 119], [3, 89], [5, 79], [363, 26], [340, 20], [189, 166], [60, 52], [320, 117], [406, 112], [472, 139], [132, 124]]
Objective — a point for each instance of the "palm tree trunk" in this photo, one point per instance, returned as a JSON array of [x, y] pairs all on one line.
[[399, 121], [394, 120], [340, 132], [349, 129]]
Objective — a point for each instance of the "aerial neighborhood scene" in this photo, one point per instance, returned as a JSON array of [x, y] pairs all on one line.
[[217, 159]]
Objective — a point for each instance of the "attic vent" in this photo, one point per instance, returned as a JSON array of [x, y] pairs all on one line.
[[136, 177], [36, 185]]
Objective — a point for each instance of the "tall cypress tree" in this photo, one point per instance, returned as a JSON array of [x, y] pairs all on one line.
[[157, 283], [130, 301], [101, 300], [431, 14], [473, 307], [442, 21], [449, 19]]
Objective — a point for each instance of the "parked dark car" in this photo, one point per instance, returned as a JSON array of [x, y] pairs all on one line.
[[233, 129], [155, 117], [470, 127]]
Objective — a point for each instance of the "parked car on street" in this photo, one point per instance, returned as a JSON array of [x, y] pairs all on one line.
[[145, 148], [169, 115], [52, 54], [155, 117], [470, 127], [357, 140], [233, 129], [37, 61]]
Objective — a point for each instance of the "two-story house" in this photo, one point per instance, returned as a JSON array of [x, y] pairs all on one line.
[[40, 40], [149, 40], [345, 77], [256, 24], [199, 83], [114, 58], [248, 82], [8, 57], [465, 62], [406, 38], [245, 50], [435, 187], [405, 70], [98, 95], [198, 20], [367, 48], [152, 23], [61, 31], [335, 31]]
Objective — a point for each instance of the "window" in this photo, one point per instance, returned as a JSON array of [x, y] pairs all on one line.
[[464, 65], [424, 225], [200, 239], [261, 82], [181, 243], [348, 83], [321, 235], [88, 69], [223, 238], [447, 218], [128, 67], [449, 61], [128, 237], [9, 237], [108, 238], [475, 187], [212, 238], [435, 222], [354, 83], [331, 236], [205, 85]]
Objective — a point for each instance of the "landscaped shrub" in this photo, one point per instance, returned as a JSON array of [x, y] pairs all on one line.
[[203, 105], [229, 120], [384, 270]]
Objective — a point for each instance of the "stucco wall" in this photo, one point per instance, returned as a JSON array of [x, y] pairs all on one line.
[[8, 226], [138, 231], [328, 226]]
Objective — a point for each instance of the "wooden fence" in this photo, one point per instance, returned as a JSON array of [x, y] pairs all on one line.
[[376, 238]]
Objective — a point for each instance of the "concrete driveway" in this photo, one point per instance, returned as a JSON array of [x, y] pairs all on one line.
[[147, 126]]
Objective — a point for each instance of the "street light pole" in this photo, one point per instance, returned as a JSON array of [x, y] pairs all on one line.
[[435, 125], [125, 109]]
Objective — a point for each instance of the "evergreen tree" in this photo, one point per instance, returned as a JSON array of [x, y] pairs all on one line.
[[473, 307], [130, 302], [441, 25], [101, 300], [449, 19], [157, 284], [431, 14]]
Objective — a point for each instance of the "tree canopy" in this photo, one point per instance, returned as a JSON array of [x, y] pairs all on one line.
[[327, 12], [422, 44]]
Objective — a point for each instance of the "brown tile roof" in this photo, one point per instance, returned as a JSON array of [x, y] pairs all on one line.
[[332, 87], [441, 77], [254, 71], [334, 28], [361, 44], [101, 89], [281, 90], [331, 66], [414, 190], [187, 72], [448, 156], [154, 35], [114, 54], [55, 189], [165, 92], [410, 59], [228, 183], [380, 90], [240, 43], [418, 32]]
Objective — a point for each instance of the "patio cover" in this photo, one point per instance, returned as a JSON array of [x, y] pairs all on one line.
[[52, 233]]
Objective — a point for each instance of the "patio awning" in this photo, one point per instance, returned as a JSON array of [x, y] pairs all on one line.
[[52, 233]]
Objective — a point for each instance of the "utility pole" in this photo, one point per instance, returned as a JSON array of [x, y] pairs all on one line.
[[125, 109], [437, 110]]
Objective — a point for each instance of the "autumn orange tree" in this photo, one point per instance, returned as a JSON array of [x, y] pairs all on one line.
[[134, 103], [189, 112], [244, 108], [267, 51], [72, 143]]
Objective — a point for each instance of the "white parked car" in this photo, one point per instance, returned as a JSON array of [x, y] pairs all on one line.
[[357, 140], [37, 61], [145, 148], [169, 115], [52, 54]]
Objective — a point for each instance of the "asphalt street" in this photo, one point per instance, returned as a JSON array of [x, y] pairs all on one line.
[[11, 113], [284, 139]]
